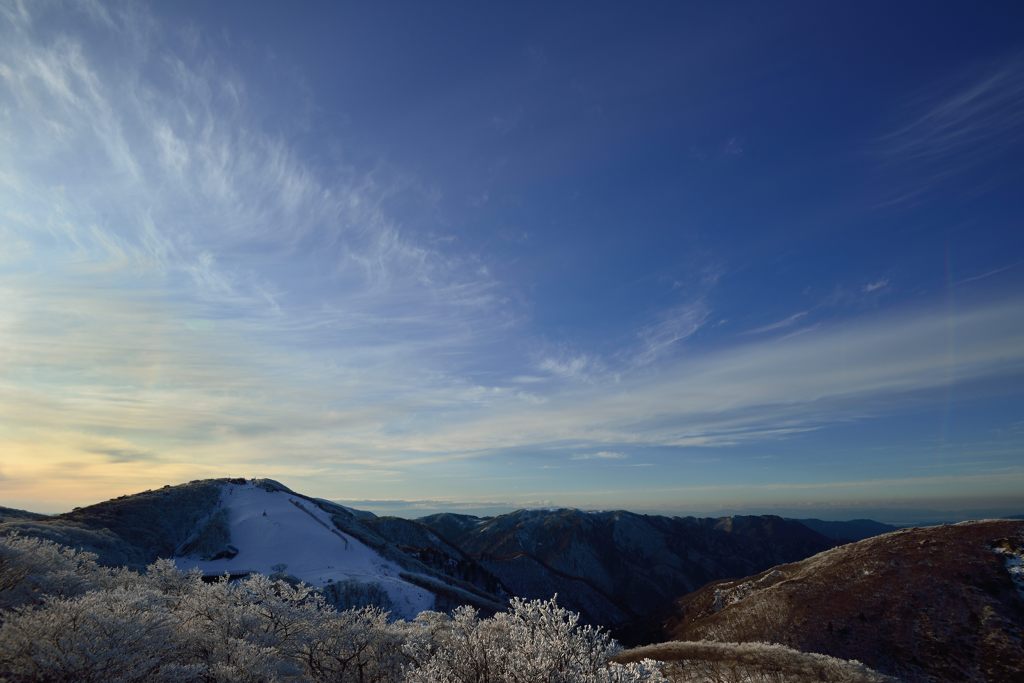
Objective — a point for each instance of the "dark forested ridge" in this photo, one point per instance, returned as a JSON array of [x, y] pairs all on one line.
[[618, 568]]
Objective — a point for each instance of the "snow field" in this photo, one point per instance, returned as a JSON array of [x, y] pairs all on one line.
[[275, 528]]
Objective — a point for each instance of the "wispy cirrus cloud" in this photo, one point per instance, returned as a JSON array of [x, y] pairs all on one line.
[[673, 325], [974, 118], [183, 281], [875, 285], [572, 366], [600, 455], [123, 454], [785, 323], [763, 390], [988, 273]]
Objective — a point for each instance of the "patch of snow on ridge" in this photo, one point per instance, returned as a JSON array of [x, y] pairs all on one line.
[[271, 528], [734, 593], [1014, 559]]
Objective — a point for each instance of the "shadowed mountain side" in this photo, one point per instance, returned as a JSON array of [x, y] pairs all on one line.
[[939, 603], [417, 541], [10, 514], [848, 531], [622, 569], [131, 530]]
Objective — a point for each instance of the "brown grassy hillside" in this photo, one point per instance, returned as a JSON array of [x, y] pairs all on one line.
[[935, 603], [707, 662]]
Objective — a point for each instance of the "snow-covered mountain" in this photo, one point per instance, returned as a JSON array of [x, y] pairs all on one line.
[[274, 531], [238, 527]]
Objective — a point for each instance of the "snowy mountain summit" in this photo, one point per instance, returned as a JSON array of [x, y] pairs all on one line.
[[270, 530], [239, 527]]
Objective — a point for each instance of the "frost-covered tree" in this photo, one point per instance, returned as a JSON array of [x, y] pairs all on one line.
[[535, 641], [105, 635], [357, 646], [31, 568], [66, 618]]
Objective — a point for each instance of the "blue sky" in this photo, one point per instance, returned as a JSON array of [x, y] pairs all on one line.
[[678, 258]]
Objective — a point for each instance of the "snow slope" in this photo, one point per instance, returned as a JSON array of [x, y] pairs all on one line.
[[275, 527]]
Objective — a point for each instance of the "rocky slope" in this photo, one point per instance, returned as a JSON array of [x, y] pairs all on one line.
[[941, 603]]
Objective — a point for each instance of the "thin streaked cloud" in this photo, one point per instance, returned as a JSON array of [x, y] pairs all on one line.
[[601, 455], [674, 325], [970, 119], [875, 285], [783, 324], [987, 274]]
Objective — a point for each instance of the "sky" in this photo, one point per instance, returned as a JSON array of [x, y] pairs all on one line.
[[677, 257]]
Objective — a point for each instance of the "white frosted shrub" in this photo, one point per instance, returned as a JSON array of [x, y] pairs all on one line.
[[358, 646], [31, 568], [534, 642], [105, 635], [67, 619], [252, 630]]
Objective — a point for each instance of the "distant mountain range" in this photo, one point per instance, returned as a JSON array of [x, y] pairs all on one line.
[[617, 569], [937, 603]]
